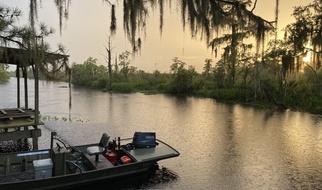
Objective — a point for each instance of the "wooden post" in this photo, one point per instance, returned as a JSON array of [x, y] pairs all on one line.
[[36, 91], [35, 134], [26, 86], [18, 86]]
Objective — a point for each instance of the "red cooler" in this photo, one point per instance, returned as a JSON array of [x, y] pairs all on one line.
[[125, 159]]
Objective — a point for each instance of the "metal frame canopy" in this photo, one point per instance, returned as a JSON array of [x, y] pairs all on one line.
[[16, 121]]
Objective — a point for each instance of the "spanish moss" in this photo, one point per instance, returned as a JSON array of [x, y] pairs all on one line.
[[63, 10], [135, 15], [161, 5], [113, 20]]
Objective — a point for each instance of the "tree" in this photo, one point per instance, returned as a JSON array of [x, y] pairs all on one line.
[[9, 32], [220, 74], [89, 74], [181, 81], [240, 28], [177, 65], [205, 19], [62, 8], [109, 62], [276, 27], [207, 68], [306, 33], [124, 62], [31, 39]]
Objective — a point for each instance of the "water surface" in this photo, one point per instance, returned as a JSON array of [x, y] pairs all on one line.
[[222, 146]]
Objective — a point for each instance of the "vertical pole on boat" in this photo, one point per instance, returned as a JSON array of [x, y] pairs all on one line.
[[52, 143], [119, 143]]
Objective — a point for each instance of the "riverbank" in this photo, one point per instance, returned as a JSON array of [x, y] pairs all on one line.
[[303, 96], [299, 91], [301, 102]]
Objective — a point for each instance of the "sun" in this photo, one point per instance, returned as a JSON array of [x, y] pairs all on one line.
[[308, 48], [307, 58]]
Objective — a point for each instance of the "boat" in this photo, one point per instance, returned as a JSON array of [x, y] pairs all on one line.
[[63, 166]]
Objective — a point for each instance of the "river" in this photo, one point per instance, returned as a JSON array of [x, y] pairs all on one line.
[[222, 146]]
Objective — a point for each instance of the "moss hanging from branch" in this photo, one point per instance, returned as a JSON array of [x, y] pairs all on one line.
[[113, 20], [63, 11], [161, 5]]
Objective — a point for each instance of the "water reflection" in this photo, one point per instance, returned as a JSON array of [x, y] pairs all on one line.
[[222, 146]]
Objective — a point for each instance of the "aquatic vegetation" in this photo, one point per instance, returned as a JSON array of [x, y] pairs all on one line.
[[62, 118]]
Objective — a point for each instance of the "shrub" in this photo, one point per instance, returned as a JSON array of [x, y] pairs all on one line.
[[123, 87]]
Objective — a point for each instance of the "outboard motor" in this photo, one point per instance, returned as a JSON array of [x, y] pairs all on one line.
[[144, 140]]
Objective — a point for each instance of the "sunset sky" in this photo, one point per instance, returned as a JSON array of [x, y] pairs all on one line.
[[86, 32]]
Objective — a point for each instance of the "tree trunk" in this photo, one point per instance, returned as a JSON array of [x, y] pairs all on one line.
[[234, 43], [109, 64]]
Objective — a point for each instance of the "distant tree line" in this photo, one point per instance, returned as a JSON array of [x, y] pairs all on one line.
[[304, 93]]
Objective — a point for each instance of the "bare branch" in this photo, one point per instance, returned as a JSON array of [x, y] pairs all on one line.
[[254, 6]]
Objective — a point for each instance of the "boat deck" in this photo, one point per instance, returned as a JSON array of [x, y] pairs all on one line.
[[28, 175], [161, 151]]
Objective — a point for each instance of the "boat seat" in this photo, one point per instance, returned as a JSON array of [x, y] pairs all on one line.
[[100, 148]]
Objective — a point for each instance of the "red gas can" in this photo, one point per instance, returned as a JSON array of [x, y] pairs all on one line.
[[125, 159], [110, 156]]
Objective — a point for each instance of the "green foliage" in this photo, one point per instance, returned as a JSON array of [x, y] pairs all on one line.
[[124, 63], [181, 81], [301, 91], [56, 118], [99, 83], [220, 73], [304, 92], [236, 94], [207, 68], [123, 87], [89, 74], [3, 74]]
